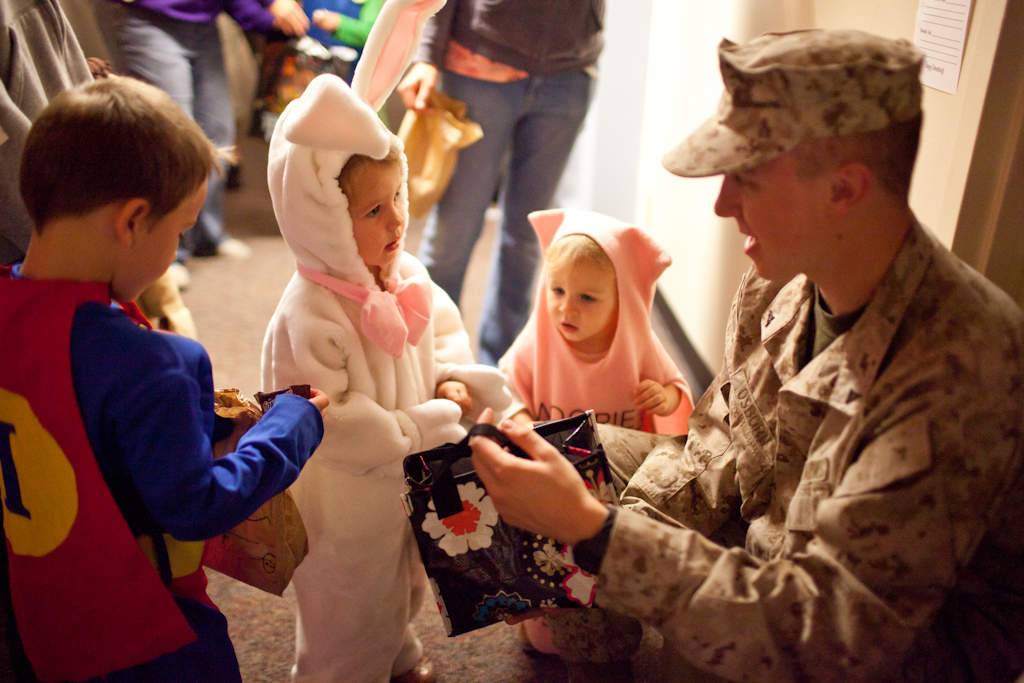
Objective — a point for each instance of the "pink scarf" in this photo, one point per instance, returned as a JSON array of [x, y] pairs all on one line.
[[388, 319]]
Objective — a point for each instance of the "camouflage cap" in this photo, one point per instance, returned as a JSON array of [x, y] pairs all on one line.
[[782, 89]]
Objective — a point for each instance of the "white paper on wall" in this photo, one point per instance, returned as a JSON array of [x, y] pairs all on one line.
[[940, 33]]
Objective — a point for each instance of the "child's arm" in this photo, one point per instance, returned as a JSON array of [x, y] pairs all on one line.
[[347, 29], [309, 341], [660, 399], [453, 356], [523, 417], [148, 401]]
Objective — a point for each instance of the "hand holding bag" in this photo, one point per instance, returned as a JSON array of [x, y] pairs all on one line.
[[264, 550], [482, 570], [432, 142]]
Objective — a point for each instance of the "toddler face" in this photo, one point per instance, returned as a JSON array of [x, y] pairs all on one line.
[[583, 303], [378, 221]]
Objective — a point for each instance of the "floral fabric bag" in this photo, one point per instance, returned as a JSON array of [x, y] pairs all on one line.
[[482, 570]]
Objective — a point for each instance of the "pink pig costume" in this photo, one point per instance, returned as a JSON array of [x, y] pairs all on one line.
[[552, 381]]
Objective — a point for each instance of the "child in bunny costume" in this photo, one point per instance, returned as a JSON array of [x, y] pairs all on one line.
[[361, 320]]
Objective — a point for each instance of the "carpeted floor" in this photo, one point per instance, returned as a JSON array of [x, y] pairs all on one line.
[[232, 302]]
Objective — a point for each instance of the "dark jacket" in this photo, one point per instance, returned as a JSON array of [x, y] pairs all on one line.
[[540, 37]]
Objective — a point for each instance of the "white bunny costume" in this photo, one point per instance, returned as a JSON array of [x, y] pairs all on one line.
[[362, 581]]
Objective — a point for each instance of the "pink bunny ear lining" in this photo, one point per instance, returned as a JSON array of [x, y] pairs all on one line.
[[398, 49]]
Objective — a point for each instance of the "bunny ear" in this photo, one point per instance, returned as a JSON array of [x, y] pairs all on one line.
[[329, 116], [390, 47]]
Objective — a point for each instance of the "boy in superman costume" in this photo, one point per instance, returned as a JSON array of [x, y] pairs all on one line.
[[108, 478]]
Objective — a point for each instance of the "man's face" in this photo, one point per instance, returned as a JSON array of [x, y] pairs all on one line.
[[782, 215]]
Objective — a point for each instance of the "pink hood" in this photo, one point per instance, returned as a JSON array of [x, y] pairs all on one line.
[[542, 367]]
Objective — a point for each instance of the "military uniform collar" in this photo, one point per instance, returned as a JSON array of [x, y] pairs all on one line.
[[842, 374]]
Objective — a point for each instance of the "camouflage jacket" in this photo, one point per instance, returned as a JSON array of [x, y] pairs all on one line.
[[878, 489]]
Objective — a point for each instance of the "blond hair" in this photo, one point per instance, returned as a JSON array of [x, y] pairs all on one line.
[[110, 140], [348, 177], [577, 248]]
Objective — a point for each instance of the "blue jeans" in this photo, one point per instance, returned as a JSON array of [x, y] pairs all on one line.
[[533, 123], [185, 60]]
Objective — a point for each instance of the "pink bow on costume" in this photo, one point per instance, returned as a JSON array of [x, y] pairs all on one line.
[[388, 319]]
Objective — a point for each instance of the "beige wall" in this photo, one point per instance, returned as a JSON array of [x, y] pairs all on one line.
[[708, 259]]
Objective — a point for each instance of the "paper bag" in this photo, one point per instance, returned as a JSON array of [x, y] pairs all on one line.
[[264, 550], [432, 142]]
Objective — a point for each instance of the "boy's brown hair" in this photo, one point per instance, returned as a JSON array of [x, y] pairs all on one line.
[[357, 162], [111, 140]]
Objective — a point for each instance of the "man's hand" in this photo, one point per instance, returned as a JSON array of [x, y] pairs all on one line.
[[457, 393], [289, 17], [418, 85], [652, 397], [544, 495], [319, 399], [326, 19]]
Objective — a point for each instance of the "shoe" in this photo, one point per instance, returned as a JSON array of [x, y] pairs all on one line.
[[234, 249], [423, 672], [180, 275]]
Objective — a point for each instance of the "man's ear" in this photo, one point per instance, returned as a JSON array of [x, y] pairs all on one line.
[[131, 219], [850, 184]]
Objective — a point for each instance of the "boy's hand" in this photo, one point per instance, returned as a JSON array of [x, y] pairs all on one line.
[[417, 86], [319, 399], [457, 393], [656, 398], [289, 17], [327, 20]]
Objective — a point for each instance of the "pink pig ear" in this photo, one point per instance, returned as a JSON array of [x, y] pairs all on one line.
[[648, 257], [390, 47], [546, 224]]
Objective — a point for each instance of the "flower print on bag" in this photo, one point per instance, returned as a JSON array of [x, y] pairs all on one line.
[[579, 585], [548, 559], [470, 529], [599, 487], [495, 608], [441, 606]]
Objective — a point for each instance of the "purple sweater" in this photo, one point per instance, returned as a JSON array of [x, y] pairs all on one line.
[[251, 15]]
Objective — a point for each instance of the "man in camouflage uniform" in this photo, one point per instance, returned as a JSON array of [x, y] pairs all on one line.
[[863, 440]]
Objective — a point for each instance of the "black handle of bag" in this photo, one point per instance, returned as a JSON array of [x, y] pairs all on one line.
[[444, 491]]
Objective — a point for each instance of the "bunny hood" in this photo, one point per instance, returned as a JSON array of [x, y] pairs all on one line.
[[318, 133], [550, 379], [314, 138]]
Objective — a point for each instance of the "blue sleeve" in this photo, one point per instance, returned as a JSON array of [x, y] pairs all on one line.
[[147, 402], [251, 15]]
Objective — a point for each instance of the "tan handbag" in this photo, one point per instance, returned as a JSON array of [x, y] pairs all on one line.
[[432, 142], [264, 550]]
